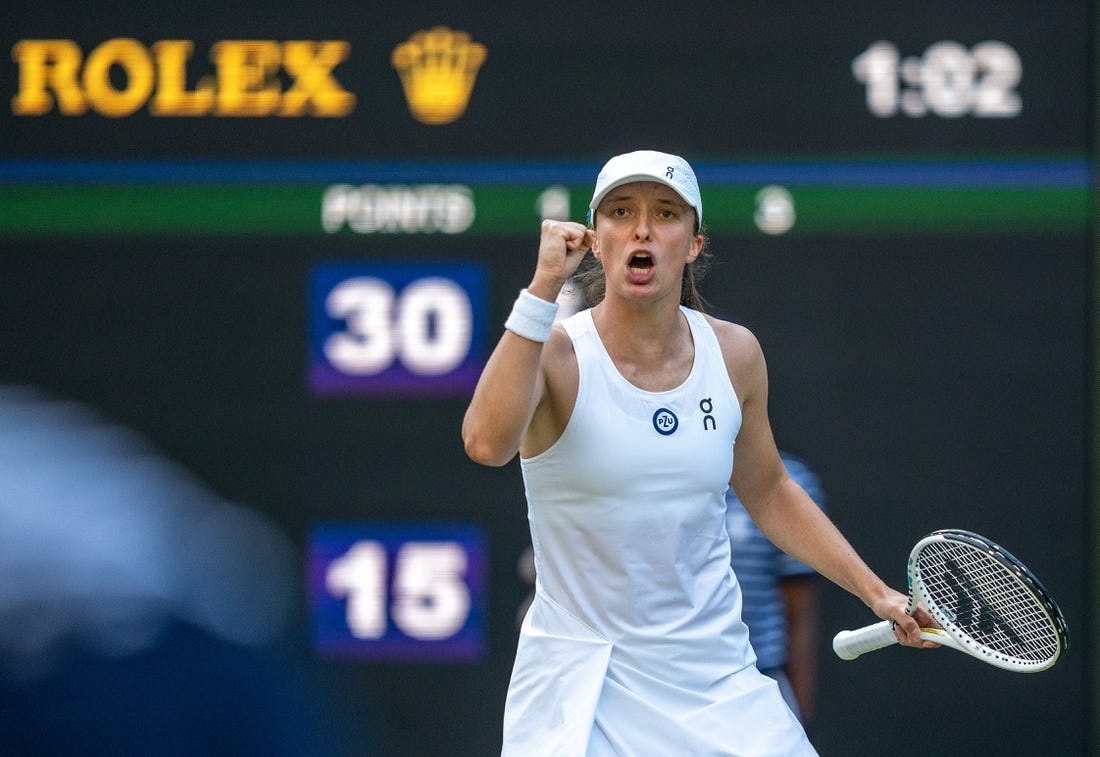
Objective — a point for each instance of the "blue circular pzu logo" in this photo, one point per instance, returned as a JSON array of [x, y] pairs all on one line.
[[665, 421]]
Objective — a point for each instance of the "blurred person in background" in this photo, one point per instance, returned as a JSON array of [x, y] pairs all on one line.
[[781, 599], [140, 614]]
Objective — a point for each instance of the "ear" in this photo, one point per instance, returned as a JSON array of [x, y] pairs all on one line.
[[595, 246], [696, 248]]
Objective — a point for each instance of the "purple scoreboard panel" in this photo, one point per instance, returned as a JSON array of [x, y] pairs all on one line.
[[398, 593], [397, 329]]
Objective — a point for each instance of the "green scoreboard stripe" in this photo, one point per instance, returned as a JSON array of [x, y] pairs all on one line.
[[73, 209]]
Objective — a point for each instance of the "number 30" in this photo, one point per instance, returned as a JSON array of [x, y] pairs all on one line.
[[427, 326]]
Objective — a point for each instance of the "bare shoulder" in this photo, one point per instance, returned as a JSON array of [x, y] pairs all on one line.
[[557, 395], [559, 369], [558, 350], [742, 353], [738, 343]]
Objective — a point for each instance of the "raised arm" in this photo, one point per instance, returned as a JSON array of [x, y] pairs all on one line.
[[513, 384]]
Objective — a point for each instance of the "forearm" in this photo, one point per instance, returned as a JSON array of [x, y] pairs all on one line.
[[797, 526]]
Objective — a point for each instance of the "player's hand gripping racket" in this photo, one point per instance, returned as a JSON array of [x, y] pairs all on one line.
[[989, 604]]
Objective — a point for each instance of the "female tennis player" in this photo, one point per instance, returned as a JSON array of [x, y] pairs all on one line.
[[626, 417]]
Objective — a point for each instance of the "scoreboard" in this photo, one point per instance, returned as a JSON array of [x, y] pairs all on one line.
[[281, 241]]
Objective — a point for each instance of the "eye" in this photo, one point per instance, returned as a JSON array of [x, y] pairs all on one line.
[[618, 212]]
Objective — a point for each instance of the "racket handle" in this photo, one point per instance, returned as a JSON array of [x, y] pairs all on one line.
[[849, 645]]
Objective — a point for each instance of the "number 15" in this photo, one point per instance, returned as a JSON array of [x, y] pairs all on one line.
[[430, 599]]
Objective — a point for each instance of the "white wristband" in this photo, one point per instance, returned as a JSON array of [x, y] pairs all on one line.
[[531, 317]]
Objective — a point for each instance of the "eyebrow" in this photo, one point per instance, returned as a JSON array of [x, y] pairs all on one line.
[[621, 196]]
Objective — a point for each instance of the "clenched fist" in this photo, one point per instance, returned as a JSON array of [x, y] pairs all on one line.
[[562, 246]]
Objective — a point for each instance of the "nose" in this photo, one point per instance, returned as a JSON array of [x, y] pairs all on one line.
[[641, 228]]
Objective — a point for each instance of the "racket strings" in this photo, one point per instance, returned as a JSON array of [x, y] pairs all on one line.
[[988, 601]]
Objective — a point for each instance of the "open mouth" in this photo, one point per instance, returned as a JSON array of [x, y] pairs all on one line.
[[640, 263]]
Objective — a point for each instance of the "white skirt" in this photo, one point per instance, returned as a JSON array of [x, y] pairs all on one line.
[[571, 695]]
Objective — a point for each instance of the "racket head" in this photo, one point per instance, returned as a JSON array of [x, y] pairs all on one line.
[[987, 600]]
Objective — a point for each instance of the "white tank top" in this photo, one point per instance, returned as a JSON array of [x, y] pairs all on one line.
[[627, 508], [634, 643]]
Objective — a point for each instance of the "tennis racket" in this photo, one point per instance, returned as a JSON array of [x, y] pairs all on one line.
[[989, 604]]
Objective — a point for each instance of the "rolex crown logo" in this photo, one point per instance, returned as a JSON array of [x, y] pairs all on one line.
[[437, 70]]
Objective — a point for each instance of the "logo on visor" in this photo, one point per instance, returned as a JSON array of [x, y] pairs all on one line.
[[665, 421]]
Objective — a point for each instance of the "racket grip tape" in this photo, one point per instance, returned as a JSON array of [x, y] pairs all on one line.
[[849, 645]]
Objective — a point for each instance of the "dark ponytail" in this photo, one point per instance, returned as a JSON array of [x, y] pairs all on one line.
[[693, 274]]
